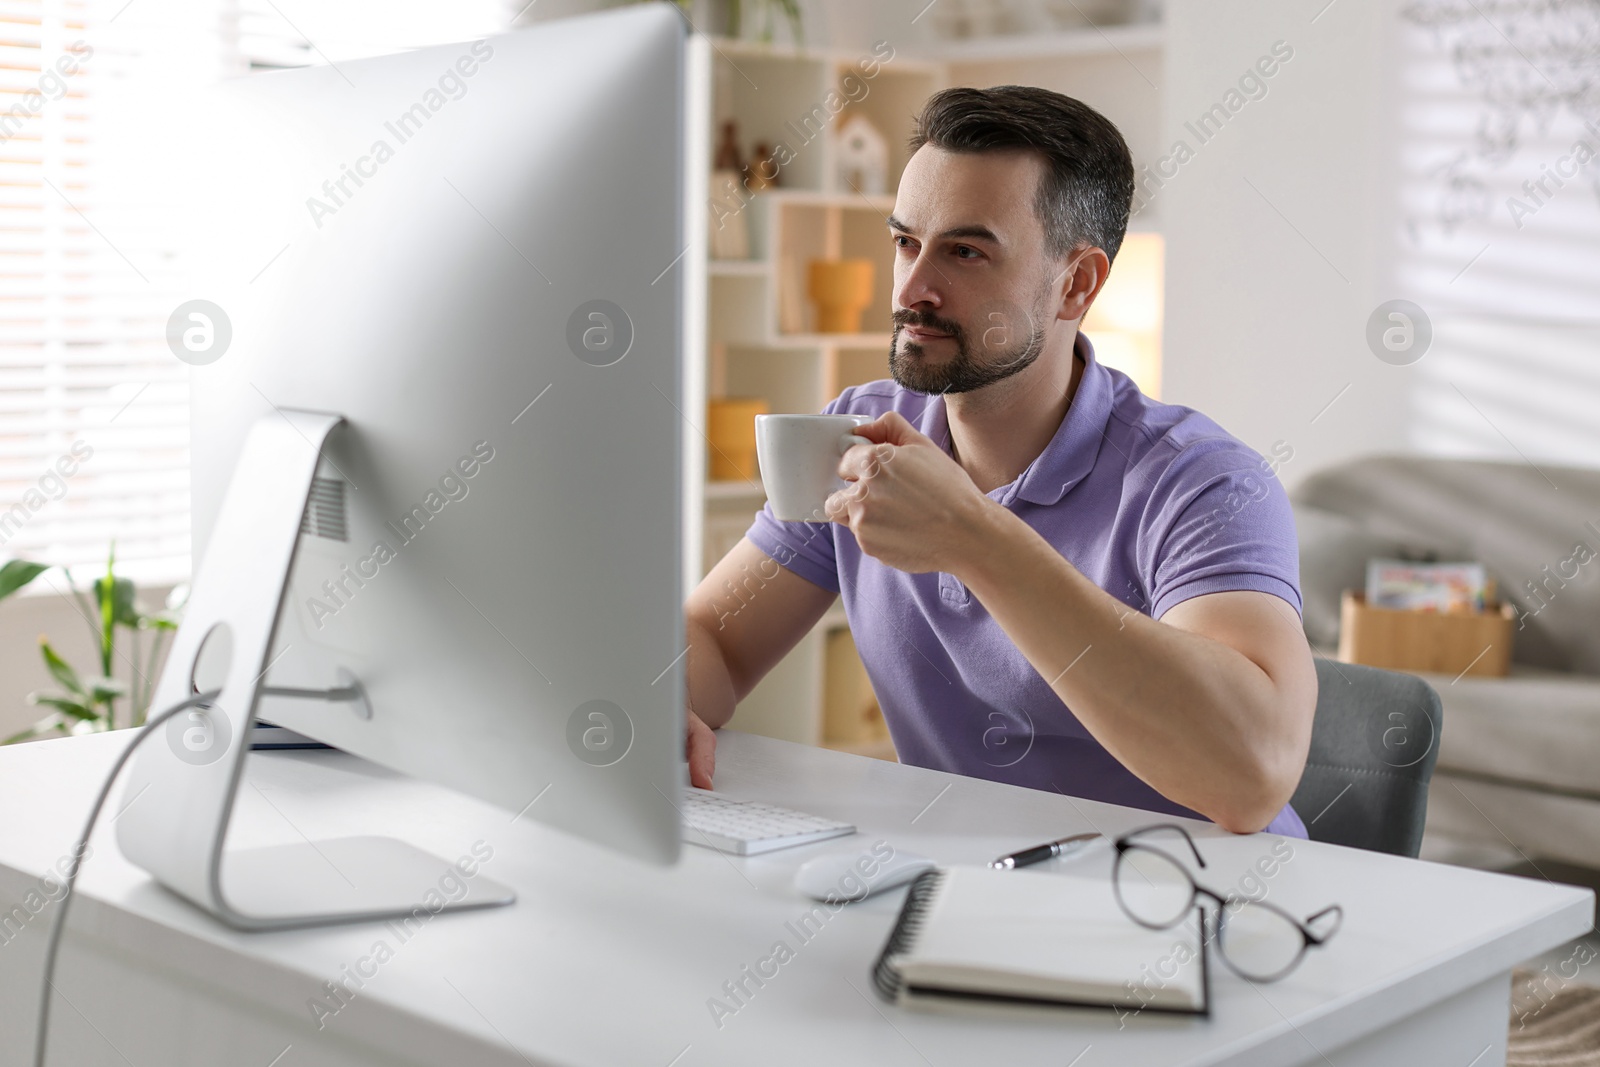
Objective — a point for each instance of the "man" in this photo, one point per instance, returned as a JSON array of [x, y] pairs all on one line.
[[1052, 579]]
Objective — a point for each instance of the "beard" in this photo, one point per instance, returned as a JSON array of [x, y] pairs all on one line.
[[1000, 355]]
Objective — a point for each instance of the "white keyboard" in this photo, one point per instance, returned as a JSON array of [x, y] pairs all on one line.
[[746, 827]]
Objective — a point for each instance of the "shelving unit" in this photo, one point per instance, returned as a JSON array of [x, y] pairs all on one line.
[[759, 330]]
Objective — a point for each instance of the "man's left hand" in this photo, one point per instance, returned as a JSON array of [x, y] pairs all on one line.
[[909, 505]]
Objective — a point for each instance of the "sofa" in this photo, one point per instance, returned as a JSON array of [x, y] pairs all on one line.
[[1519, 757]]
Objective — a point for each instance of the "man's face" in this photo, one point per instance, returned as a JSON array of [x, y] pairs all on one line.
[[974, 288]]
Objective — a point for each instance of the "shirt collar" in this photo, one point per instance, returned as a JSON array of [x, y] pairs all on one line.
[[1071, 453]]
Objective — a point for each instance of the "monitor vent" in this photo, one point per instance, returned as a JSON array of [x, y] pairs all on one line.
[[325, 515]]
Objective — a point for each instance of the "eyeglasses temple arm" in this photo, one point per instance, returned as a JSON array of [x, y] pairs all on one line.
[[1316, 938]]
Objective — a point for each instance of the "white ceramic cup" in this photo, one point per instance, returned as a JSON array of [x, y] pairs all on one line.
[[799, 458]]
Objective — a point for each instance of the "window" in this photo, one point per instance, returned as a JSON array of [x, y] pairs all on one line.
[[93, 408], [93, 405]]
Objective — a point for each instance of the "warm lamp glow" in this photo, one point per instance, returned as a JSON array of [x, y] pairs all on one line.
[[1125, 321]]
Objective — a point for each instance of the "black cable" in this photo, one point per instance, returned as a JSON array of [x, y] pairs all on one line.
[[59, 923]]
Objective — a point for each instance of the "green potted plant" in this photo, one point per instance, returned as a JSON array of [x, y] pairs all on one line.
[[88, 703]]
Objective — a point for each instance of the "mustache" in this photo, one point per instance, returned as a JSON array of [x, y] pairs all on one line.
[[927, 320]]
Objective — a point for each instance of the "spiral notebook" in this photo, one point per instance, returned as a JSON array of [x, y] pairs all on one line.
[[970, 934]]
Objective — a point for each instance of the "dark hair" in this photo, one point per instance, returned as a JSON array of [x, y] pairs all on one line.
[[1087, 187]]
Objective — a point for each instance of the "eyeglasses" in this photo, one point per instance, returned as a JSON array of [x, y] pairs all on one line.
[[1259, 941]]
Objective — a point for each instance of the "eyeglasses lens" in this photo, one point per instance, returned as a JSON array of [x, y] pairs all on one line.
[[1154, 889], [1259, 942]]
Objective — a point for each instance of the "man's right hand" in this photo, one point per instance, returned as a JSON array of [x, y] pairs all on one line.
[[700, 741]]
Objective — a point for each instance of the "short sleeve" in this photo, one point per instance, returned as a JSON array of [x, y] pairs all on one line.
[[806, 548], [1219, 521]]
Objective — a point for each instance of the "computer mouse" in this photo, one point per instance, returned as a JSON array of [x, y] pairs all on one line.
[[857, 874]]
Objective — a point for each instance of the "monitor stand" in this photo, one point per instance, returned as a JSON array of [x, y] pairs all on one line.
[[185, 778]]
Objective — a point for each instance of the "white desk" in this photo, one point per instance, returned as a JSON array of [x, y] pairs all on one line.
[[604, 961]]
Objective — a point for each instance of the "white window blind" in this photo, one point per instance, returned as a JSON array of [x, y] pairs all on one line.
[[93, 406]]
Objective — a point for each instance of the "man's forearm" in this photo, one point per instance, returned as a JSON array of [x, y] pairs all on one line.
[[1191, 716], [711, 691]]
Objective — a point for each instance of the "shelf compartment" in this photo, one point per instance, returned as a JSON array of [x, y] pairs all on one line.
[[864, 234], [890, 101], [803, 232], [790, 381], [762, 92]]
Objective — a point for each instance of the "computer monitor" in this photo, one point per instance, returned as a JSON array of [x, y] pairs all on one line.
[[439, 426]]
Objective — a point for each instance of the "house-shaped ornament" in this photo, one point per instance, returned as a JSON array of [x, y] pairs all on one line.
[[863, 157]]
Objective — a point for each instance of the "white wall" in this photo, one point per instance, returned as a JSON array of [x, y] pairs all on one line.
[[1271, 254], [1359, 178]]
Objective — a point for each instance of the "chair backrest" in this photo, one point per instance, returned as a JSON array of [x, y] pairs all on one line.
[[1374, 742]]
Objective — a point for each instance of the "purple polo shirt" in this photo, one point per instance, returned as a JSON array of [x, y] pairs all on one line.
[[1153, 502]]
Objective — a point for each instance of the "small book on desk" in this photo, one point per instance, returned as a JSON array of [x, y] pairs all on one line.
[[974, 934]]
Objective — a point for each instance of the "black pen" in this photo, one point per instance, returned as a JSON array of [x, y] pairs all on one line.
[[1040, 853]]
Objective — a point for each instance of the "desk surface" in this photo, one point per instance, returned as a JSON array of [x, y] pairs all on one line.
[[607, 961]]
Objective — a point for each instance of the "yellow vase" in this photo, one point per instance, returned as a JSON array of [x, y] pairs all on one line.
[[841, 290]]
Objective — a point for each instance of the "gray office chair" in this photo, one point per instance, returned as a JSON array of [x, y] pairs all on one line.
[[1374, 742]]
